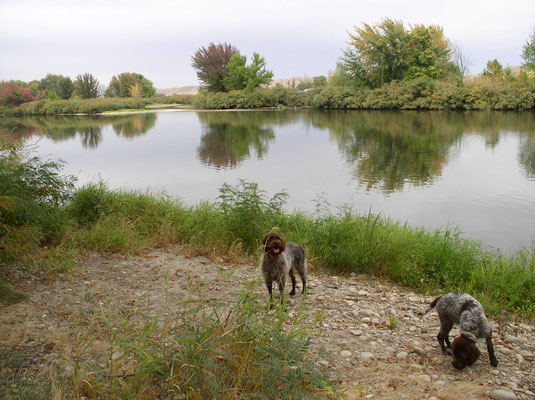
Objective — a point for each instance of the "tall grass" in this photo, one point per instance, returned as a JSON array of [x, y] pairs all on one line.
[[432, 261], [190, 350]]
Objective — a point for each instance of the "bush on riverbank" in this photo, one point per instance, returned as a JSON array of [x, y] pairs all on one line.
[[96, 218], [91, 106], [421, 94], [258, 98]]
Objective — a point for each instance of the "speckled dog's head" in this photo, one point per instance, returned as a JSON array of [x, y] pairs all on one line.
[[274, 244], [465, 351]]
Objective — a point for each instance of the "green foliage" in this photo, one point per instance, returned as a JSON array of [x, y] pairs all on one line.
[[427, 51], [88, 203], [528, 53], [86, 86], [130, 84], [247, 213], [386, 51], [57, 85], [240, 76]]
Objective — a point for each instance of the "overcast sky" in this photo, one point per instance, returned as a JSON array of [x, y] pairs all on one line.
[[296, 37]]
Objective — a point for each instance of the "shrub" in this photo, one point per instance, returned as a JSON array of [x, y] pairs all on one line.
[[14, 95], [32, 193]]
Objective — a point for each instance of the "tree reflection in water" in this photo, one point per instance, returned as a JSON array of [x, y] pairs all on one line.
[[228, 138], [88, 128], [392, 149]]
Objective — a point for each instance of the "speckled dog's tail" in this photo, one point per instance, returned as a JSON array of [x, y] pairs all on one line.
[[432, 305]]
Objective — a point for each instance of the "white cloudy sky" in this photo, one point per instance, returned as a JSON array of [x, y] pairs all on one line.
[[297, 37]]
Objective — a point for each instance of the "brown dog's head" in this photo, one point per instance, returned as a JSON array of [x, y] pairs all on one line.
[[274, 244], [465, 351]]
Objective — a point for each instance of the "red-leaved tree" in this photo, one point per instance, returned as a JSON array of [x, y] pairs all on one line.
[[210, 63], [13, 95]]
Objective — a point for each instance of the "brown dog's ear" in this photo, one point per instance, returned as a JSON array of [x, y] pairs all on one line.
[[265, 238]]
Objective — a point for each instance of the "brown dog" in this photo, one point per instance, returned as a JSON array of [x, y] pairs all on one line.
[[281, 259]]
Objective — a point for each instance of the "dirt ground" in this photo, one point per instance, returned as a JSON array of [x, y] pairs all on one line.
[[373, 337]]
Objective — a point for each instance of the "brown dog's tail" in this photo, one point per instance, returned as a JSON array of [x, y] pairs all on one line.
[[432, 305]]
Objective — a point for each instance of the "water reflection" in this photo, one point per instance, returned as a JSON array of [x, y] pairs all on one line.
[[87, 128], [392, 149], [228, 138], [526, 156]]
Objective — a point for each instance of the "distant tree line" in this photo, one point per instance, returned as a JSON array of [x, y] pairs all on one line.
[[85, 86]]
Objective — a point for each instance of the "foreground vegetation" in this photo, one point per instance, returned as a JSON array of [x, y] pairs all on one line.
[[41, 210], [187, 349]]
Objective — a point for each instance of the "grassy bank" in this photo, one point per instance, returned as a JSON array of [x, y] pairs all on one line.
[[93, 106], [430, 261], [44, 220]]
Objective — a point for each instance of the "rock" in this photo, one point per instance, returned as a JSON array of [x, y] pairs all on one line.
[[514, 339], [357, 332], [502, 394], [402, 355], [366, 320], [376, 321], [362, 293], [345, 353], [419, 350], [366, 356]]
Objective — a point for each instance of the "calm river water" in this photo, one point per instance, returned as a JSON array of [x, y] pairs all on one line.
[[473, 170]]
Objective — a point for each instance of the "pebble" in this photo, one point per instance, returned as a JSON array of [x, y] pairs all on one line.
[[424, 378], [345, 353], [366, 356], [362, 293], [502, 394], [402, 355], [357, 332], [366, 320]]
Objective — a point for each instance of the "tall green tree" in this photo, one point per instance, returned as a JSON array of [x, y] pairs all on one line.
[[528, 53], [57, 85], [211, 65], [130, 84], [241, 76], [386, 51], [86, 86]]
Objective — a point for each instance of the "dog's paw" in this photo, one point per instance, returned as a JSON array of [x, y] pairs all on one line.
[[494, 363], [292, 293], [448, 353]]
